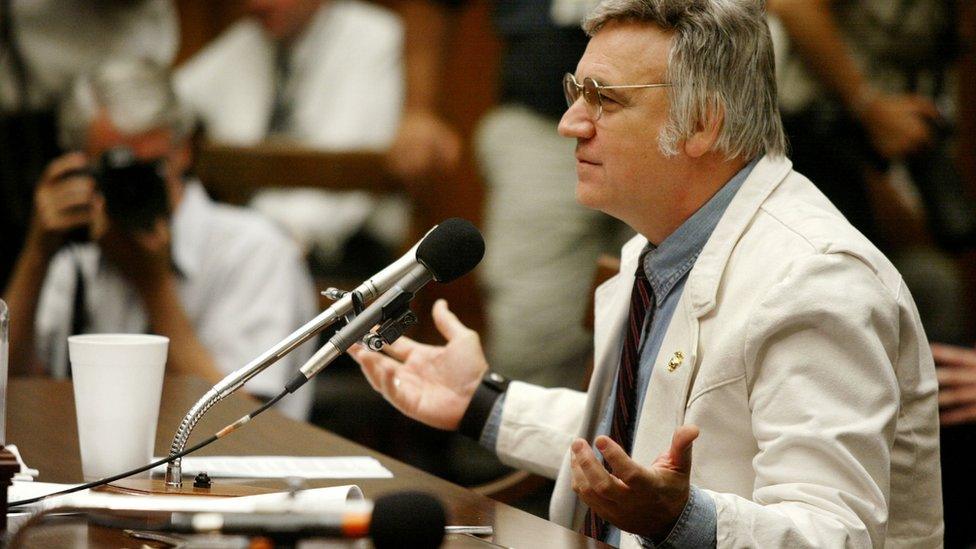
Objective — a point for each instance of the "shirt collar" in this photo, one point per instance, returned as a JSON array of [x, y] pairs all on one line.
[[668, 263]]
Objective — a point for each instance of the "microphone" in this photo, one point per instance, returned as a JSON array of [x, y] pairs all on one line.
[[446, 254], [431, 250], [404, 519]]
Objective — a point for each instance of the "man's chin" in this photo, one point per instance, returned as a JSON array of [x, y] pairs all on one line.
[[588, 195]]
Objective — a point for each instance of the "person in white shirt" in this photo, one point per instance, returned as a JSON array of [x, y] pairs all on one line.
[[44, 45], [326, 75], [221, 282]]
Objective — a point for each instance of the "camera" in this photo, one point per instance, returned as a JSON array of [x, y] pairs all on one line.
[[134, 190]]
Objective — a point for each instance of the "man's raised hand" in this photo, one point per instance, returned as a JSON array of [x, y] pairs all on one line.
[[430, 383]]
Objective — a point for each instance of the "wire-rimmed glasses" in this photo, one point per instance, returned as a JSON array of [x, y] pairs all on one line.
[[590, 90]]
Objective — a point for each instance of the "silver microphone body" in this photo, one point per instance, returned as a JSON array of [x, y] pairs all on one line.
[[449, 250], [369, 290], [409, 283]]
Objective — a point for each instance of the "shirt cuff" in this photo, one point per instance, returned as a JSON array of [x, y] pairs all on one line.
[[695, 527], [489, 435]]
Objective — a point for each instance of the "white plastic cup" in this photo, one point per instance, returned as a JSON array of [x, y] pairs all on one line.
[[118, 382]]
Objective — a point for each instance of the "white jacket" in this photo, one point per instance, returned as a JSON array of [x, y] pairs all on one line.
[[806, 368]]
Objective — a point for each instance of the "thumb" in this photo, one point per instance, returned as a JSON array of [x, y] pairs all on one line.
[[680, 452], [447, 323]]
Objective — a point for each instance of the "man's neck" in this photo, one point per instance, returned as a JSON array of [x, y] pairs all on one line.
[[701, 180]]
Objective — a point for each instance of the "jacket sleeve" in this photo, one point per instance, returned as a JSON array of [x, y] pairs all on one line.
[[820, 358], [538, 425]]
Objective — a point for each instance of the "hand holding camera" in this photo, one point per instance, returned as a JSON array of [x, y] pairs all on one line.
[[64, 201], [121, 202]]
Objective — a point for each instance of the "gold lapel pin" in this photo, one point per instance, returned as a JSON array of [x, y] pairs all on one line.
[[676, 359]]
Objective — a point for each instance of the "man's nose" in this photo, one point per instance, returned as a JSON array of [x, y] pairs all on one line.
[[576, 121]]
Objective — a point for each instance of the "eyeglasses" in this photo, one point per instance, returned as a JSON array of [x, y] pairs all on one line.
[[591, 91]]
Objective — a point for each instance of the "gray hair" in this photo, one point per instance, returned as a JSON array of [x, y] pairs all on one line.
[[137, 94], [721, 59]]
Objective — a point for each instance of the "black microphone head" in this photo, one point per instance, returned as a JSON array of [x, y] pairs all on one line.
[[407, 519], [452, 249]]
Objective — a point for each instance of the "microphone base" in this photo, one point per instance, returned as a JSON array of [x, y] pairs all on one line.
[[147, 486]]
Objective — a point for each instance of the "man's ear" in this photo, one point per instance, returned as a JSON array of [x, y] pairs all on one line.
[[706, 134]]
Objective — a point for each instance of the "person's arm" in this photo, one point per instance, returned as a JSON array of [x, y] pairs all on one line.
[[897, 124], [22, 295], [425, 144], [144, 261], [61, 203], [187, 355]]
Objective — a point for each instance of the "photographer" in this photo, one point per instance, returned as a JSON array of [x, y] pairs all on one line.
[[222, 283]]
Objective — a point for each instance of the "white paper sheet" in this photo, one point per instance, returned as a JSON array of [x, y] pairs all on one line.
[[282, 467], [21, 490]]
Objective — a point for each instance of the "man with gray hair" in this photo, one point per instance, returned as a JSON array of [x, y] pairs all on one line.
[[748, 317], [120, 241]]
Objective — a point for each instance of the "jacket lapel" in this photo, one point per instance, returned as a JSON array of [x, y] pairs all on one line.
[[611, 310], [667, 393]]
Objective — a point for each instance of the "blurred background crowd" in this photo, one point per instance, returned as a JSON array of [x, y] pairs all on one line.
[[281, 147]]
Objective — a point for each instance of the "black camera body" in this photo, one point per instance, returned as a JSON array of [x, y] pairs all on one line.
[[134, 191]]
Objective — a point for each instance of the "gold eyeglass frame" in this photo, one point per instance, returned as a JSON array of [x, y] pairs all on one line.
[[589, 90]]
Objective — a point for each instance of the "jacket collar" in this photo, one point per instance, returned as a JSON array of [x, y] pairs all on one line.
[[703, 281], [705, 275]]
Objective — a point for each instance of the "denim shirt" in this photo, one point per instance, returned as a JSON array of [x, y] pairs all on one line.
[[667, 267]]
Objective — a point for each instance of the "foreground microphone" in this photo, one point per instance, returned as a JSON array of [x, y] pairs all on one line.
[[451, 233], [405, 519], [446, 254]]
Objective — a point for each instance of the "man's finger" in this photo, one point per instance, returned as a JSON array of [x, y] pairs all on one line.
[[623, 467], [401, 347], [951, 355], [362, 354], [447, 323], [680, 451], [956, 416], [949, 377], [63, 164], [594, 474], [374, 365], [75, 218], [957, 397]]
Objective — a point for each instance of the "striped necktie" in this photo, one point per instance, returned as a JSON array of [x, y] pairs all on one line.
[[625, 403]]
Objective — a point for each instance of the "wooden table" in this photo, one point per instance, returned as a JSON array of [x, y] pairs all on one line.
[[41, 422]]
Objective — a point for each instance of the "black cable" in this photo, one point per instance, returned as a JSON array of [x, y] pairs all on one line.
[[219, 434]]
